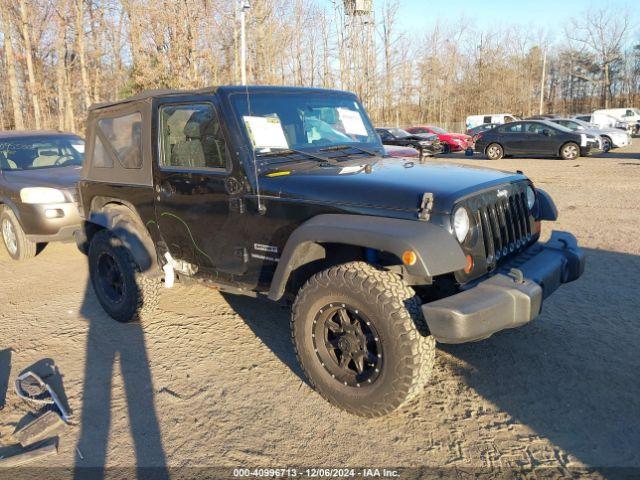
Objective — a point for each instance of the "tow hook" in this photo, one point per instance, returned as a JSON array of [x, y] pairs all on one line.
[[517, 275]]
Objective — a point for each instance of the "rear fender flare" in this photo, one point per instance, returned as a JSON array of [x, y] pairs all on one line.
[[126, 225], [437, 251]]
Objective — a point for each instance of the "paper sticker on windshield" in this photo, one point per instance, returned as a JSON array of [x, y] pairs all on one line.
[[78, 147], [352, 122], [266, 132]]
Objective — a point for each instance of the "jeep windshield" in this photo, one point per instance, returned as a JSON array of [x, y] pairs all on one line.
[[36, 152], [310, 123]]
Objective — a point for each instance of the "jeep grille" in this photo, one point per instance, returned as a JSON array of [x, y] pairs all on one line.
[[502, 227]]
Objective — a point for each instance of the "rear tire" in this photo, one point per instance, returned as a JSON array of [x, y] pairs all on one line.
[[376, 360], [570, 151], [494, 151], [15, 240], [123, 291]]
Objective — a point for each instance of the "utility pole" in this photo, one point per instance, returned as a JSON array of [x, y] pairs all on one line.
[[244, 7], [542, 81]]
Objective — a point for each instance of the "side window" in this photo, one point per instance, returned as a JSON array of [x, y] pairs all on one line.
[[384, 135], [124, 135], [101, 157], [191, 137], [535, 128], [512, 128]]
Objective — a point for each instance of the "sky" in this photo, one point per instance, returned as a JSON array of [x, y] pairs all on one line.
[[493, 14]]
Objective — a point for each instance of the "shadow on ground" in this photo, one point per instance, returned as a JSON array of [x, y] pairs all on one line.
[[111, 345], [572, 375], [5, 371], [275, 333]]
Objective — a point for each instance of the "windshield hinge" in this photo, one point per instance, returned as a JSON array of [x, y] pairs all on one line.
[[424, 212]]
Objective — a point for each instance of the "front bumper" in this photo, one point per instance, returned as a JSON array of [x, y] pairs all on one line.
[[510, 298], [39, 228], [621, 141]]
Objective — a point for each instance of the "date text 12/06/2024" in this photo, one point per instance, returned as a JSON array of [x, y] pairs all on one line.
[[316, 473]]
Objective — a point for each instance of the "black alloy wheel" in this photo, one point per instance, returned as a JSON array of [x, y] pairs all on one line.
[[347, 344]]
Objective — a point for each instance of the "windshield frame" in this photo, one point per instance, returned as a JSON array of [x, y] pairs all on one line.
[[235, 102], [63, 141]]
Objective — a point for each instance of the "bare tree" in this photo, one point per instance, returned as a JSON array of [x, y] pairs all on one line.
[[602, 32], [11, 68]]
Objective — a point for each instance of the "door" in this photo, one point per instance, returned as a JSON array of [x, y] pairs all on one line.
[[540, 139], [512, 138], [195, 213]]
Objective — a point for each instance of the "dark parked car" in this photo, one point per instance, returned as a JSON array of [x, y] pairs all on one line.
[[472, 132], [38, 176], [535, 138], [427, 145], [256, 191]]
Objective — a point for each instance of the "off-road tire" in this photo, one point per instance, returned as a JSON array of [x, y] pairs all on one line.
[[24, 248], [394, 308], [494, 151], [567, 151], [140, 292]]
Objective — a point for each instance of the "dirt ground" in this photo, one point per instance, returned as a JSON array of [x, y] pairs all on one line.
[[213, 380]]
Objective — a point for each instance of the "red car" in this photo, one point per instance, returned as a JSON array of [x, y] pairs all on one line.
[[453, 142]]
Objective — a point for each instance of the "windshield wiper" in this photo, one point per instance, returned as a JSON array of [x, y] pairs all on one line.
[[347, 147], [290, 151]]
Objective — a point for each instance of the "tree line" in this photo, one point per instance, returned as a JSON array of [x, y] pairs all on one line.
[[60, 56]]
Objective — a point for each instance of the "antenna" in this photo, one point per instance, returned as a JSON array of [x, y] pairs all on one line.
[[245, 6]]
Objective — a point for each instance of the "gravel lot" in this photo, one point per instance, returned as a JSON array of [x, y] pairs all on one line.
[[213, 379]]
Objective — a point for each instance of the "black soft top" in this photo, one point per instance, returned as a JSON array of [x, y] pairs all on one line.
[[147, 94]]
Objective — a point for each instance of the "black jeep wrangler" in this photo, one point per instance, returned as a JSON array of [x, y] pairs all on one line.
[[286, 193]]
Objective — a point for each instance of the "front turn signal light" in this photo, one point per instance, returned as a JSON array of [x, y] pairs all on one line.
[[469, 266], [409, 258]]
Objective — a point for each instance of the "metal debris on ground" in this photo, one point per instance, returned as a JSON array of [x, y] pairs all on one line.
[[30, 454], [37, 393], [45, 426]]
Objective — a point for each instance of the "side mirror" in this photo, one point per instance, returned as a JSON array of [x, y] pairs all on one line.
[[546, 132]]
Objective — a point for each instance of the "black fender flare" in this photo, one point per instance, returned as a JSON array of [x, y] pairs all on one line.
[[437, 250], [125, 224], [547, 209]]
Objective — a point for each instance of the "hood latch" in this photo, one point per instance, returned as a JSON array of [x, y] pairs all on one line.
[[424, 212]]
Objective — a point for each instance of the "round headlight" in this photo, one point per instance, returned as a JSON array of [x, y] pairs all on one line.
[[461, 224], [531, 198]]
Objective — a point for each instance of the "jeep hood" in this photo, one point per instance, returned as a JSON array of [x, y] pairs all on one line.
[[391, 184]]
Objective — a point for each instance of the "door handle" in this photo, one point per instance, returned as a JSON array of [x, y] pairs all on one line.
[[166, 188]]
